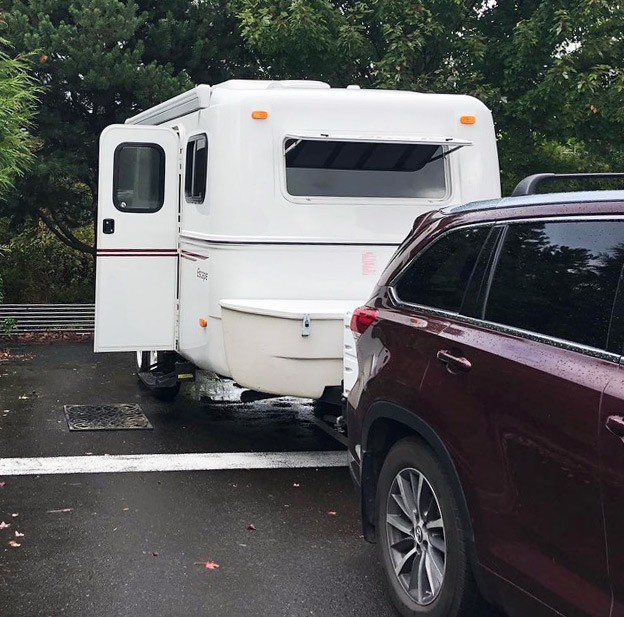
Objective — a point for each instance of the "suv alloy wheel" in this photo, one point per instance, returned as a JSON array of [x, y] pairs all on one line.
[[421, 536]]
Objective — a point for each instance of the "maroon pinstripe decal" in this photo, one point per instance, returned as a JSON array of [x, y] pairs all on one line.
[[197, 255], [145, 250], [137, 254]]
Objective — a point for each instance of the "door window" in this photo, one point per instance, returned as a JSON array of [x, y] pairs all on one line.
[[196, 169], [139, 177], [317, 168], [559, 279], [439, 275]]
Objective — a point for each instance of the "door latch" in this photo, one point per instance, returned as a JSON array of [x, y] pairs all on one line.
[[108, 226], [305, 325]]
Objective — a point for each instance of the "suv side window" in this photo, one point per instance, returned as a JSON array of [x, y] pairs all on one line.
[[558, 279], [439, 275]]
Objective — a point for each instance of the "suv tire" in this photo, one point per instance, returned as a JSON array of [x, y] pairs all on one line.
[[419, 540]]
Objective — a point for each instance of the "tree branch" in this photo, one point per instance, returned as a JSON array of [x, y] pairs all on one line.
[[64, 234]]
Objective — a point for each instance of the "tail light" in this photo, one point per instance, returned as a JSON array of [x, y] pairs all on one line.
[[362, 319]]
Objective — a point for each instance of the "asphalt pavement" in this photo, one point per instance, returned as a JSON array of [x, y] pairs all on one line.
[[275, 542]]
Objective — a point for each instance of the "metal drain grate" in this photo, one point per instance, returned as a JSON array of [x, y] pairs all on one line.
[[123, 416]]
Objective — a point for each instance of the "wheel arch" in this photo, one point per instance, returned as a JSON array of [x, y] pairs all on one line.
[[386, 423]]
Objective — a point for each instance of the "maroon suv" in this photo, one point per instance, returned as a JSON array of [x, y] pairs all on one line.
[[486, 425]]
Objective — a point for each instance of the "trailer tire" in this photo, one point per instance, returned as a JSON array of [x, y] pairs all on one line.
[[167, 395], [144, 359]]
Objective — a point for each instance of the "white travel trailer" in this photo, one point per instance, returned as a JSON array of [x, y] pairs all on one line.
[[239, 223]]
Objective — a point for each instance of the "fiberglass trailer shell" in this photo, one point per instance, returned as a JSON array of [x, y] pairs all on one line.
[[237, 224]]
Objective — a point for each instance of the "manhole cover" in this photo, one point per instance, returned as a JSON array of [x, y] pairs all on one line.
[[106, 417]]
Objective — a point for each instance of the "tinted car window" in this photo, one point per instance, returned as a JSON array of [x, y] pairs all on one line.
[[559, 279], [439, 276]]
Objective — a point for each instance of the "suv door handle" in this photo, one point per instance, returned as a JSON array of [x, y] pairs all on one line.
[[615, 424], [454, 364]]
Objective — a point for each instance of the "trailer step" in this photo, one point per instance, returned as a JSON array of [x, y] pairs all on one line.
[[183, 371]]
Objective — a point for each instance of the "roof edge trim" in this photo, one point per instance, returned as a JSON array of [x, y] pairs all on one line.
[[181, 105]]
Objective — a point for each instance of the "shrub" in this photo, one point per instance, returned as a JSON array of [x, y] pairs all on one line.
[[36, 268]]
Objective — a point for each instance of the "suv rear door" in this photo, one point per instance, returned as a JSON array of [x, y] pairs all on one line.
[[611, 431], [516, 389]]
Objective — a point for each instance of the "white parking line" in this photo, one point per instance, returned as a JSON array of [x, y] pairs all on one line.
[[169, 462]]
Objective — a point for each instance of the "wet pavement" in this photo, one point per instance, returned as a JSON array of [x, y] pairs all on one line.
[[287, 541]]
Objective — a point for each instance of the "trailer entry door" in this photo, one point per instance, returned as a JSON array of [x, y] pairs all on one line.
[[137, 232]]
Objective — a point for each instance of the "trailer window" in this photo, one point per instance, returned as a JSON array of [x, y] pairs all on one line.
[[196, 169], [139, 177], [317, 168]]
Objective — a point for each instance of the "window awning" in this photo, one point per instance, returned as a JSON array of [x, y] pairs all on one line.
[[363, 153], [439, 140]]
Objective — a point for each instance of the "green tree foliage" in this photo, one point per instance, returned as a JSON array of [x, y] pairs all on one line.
[[552, 71], [18, 94], [92, 62], [39, 268]]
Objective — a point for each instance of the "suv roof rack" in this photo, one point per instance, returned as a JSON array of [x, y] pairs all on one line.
[[528, 186]]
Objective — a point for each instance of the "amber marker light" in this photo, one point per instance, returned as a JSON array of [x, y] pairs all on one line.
[[467, 119], [202, 322], [259, 115]]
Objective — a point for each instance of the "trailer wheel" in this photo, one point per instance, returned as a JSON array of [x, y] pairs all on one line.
[[145, 359]]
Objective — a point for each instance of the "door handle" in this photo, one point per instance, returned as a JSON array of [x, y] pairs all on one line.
[[615, 424], [108, 226], [454, 364]]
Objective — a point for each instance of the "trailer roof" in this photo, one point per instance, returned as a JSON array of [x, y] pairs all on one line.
[[200, 97]]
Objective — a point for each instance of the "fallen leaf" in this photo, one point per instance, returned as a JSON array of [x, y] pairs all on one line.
[[18, 534], [209, 565], [296, 485], [15, 514], [154, 554], [14, 544], [22, 397], [4, 525], [2, 484], [251, 527], [125, 509], [332, 513]]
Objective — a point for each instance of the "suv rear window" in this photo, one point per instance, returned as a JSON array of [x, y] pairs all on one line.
[[559, 279], [440, 274]]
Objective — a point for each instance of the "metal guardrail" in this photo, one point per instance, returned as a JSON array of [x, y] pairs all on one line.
[[49, 317]]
